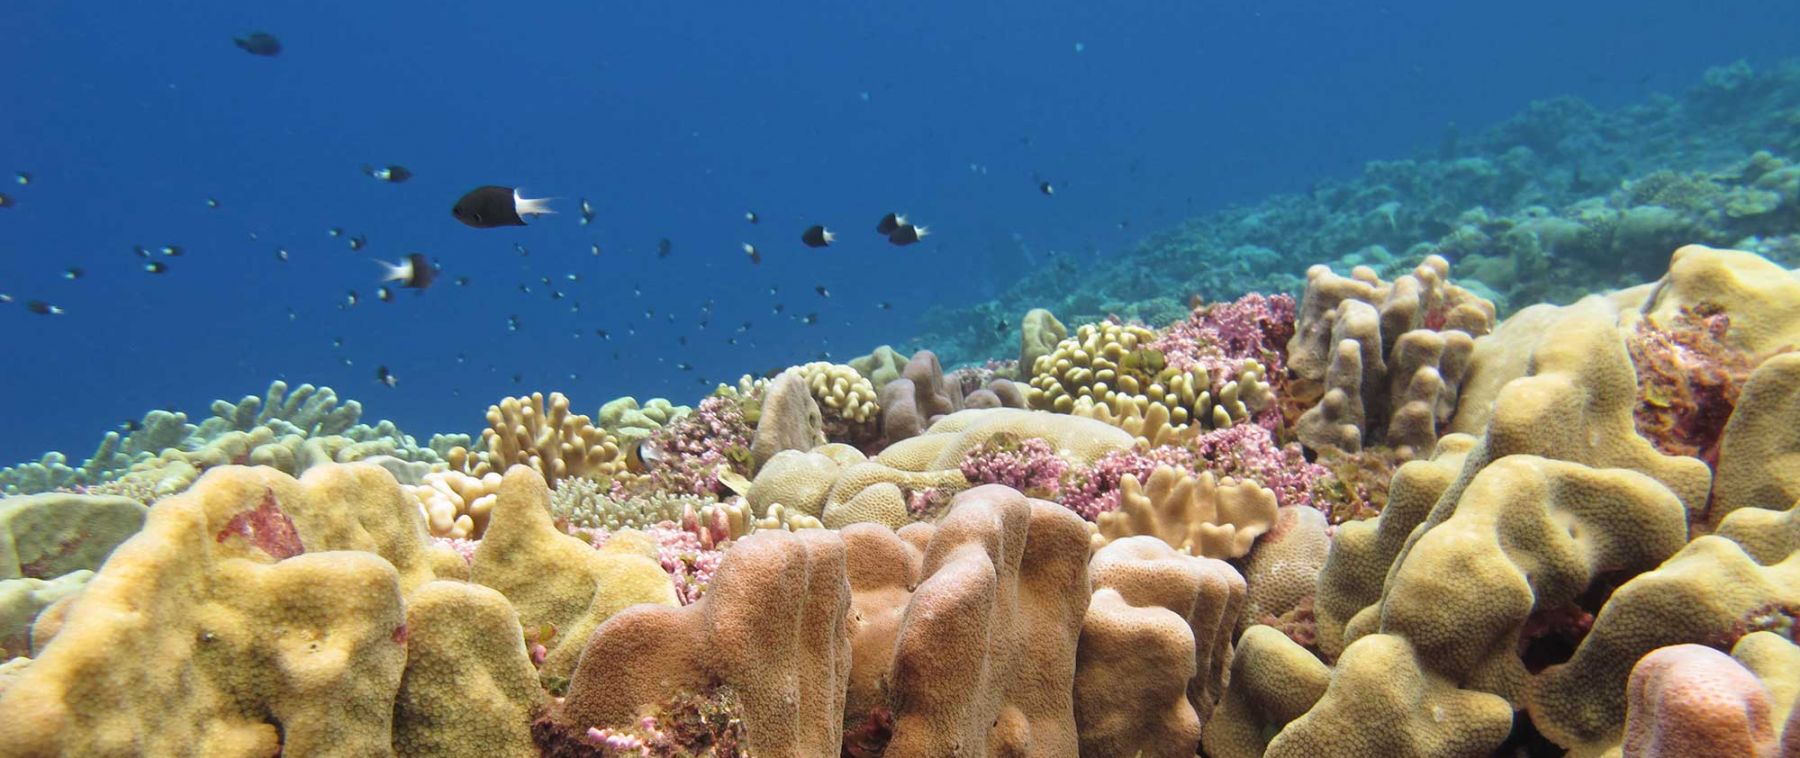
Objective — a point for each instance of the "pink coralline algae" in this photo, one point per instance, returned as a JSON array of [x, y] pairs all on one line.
[[267, 528], [1094, 490], [689, 564], [1217, 337], [1248, 451], [1030, 466], [464, 549], [694, 448]]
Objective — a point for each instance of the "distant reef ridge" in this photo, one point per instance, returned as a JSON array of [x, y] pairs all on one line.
[[1558, 201]]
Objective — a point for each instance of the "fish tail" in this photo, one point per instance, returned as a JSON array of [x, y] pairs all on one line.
[[530, 206]]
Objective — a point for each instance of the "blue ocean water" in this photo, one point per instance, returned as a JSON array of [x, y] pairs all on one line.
[[674, 120]]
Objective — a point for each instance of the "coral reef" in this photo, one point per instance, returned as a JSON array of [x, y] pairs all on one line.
[[1373, 519]]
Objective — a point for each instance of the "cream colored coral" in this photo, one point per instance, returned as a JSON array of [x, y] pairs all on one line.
[[1199, 516], [456, 504], [551, 440], [841, 391], [779, 517]]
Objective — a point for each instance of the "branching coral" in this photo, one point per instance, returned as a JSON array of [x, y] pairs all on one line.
[[548, 438], [581, 502], [456, 504]]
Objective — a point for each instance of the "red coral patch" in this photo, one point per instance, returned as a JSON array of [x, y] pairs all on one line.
[[266, 527]]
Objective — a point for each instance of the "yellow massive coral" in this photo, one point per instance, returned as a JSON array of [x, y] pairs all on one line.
[[548, 438]]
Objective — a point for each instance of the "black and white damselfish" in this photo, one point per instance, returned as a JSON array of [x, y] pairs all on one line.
[[493, 206]]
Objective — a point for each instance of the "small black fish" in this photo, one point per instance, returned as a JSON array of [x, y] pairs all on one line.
[[750, 216], [595, 248], [416, 272], [518, 378], [885, 305], [750, 250], [462, 281], [779, 307], [491, 206], [1046, 188], [42, 308], [142, 252], [74, 272], [602, 334], [259, 43], [682, 340], [663, 247], [1000, 326], [685, 366], [337, 341], [383, 375], [384, 295], [810, 319], [156, 267], [822, 291], [173, 251], [889, 223], [351, 299], [587, 212], [521, 250], [212, 202], [281, 254], [744, 327], [907, 234], [393, 174], [357, 242], [336, 231], [817, 236], [131, 425], [513, 323], [22, 177], [649, 313]]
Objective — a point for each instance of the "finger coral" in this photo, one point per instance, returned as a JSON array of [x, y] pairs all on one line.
[[1380, 362], [1199, 516], [548, 438]]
